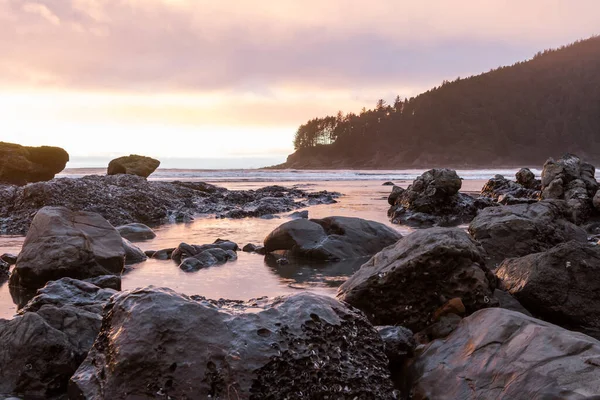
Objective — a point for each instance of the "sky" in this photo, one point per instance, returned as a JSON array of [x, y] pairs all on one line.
[[225, 84]]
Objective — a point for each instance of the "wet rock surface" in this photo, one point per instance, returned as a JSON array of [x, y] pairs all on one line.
[[521, 358], [136, 232], [560, 285], [509, 192], [521, 229], [572, 180], [405, 284], [133, 254], [302, 346], [20, 165], [331, 238], [63, 243], [433, 199], [124, 199], [133, 165]]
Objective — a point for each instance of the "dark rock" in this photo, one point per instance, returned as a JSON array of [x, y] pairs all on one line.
[[4, 271], [249, 248], [164, 254], [322, 197], [526, 178], [506, 191], [185, 250], [441, 328], [398, 342], [10, 259], [282, 261], [260, 250], [106, 282], [519, 358], [331, 238], [133, 165], [405, 284], [133, 254], [269, 216], [20, 165], [150, 253], [572, 180], [508, 302], [388, 183], [63, 243], [560, 285], [302, 346], [396, 192], [136, 232], [203, 260], [518, 230], [433, 199], [299, 214]]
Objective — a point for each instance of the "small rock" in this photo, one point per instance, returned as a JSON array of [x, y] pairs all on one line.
[[388, 183], [164, 254], [133, 254], [136, 232], [299, 214], [8, 258], [249, 248]]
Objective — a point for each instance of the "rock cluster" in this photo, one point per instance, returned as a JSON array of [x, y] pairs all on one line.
[[20, 165], [525, 190]]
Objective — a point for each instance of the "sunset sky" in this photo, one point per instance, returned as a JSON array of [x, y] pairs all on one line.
[[213, 84]]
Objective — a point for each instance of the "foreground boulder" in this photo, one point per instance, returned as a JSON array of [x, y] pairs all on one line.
[[433, 199], [136, 232], [572, 180], [133, 165], [302, 346], [501, 354], [560, 285], [20, 165], [405, 284], [62, 243], [521, 229], [331, 238], [44, 345]]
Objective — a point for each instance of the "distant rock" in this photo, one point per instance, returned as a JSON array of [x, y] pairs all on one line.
[[133, 165], [136, 232], [506, 191], [302, 346], [63, 243], [572, 180], [20, 165], [388, 183], [560, 285], [396, 192], [505, 355], [433, 199], [407, 283], [521, 229], [331, 238], [526, 178]]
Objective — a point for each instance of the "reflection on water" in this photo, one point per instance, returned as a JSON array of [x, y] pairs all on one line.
[[251, 275]]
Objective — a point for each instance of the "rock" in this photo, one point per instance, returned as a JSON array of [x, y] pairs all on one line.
[[560, 285], [506, 191], [136, 232], [526, 178], [398, 342], [10, 259], [596, 200], [302, 346], [185, 250], [396, 192], [4, 271], [164, 254], [133, 165], [331, 238], [405, 284], [572, 180], [388, 183], [440, 329], [520, 358], [452, 306], [269, 216], [299, 214], [521, 229], [106, 282], [133, 254], [20, 165], [202, 260], [508, 302], [150, 253], [433, 199], [63, 243], [249, 248]]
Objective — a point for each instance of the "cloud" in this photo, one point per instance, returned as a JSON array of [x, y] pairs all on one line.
[[206, 46]]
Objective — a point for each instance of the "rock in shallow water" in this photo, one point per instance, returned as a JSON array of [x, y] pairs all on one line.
[[136, 232], [133, 254], [501, 354], [63, 243], [405, 284], [331, 238], [302, 346]]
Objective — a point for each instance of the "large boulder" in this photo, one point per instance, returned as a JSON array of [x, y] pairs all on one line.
[[433, 199], [521, 229], [405, 284], [501, 354], [20, 165], [63, 243], [136, 232], [302, 346], [560, 285], [331, 238], [572, 180], [133, 165]]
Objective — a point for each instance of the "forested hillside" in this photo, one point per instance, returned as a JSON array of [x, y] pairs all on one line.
[[511, 116]]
